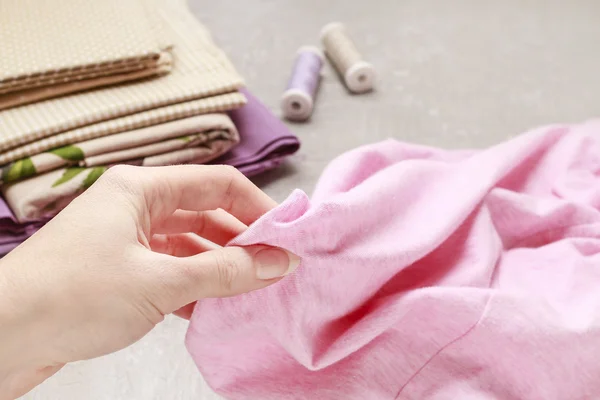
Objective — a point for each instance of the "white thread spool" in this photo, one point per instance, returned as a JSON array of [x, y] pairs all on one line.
[[297, 102], [358, 75]]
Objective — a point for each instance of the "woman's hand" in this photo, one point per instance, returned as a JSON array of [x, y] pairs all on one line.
[[119, 258]]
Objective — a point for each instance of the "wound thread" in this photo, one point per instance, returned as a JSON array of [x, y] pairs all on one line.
[[297, 102], [357, 74]]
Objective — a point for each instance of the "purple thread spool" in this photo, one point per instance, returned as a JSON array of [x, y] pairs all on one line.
[[297, 102]]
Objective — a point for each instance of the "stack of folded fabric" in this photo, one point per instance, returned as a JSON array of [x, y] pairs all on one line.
[[49, 50], [141, 84]]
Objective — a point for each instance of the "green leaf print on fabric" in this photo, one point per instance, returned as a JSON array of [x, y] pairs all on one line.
[[93, 176], [18, 170], [69, 174], [186, 138], [70, 153]]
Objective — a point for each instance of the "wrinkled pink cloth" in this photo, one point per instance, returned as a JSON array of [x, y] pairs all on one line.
[[426, 274]]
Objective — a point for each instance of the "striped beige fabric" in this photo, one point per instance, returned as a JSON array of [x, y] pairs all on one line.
[[200, 70], [27, 96], [134, 121], [48, 44]]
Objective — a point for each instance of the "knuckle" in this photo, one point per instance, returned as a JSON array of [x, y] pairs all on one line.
[[119, 171], [228, 271], [118, 176], [169, 244], [230, 177], [199, 223], [229, 171], [157, 287], [122, 179]]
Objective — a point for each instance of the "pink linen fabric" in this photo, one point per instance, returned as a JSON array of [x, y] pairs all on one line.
[[426, 274]]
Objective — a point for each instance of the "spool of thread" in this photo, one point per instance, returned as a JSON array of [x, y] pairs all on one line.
[[297, 102], [358, 75]]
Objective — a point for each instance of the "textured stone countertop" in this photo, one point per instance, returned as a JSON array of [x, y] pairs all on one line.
[[457, 73]]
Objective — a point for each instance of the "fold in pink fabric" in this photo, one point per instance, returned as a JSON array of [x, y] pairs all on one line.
[[426, 274]]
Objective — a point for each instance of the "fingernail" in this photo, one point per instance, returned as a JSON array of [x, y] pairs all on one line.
[[273, 263]]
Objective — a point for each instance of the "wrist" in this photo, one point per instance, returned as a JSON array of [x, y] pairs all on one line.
[[16, 322], [24, 327]]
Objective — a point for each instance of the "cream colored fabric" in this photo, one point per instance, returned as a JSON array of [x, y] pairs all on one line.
[[142, 119], [56, 43], [153, 140], [200, 70], [46, 92], [194, 140]]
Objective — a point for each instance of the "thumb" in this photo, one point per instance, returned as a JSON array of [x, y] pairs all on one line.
[[224, 272]]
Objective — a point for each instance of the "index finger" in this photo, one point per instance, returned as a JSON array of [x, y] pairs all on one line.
[[195, 188]]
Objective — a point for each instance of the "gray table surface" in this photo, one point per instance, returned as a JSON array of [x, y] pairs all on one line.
[[455, 74]]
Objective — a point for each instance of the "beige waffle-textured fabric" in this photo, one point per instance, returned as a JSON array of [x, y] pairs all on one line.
[[200, 70], [143, 119], [28, 96], [52, 43]]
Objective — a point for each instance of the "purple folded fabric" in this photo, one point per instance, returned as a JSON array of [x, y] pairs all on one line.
[[265, 141], [6, 239], [12, 233], [6, 248]]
